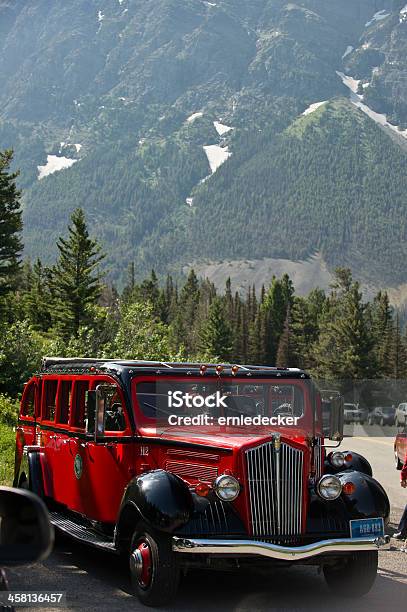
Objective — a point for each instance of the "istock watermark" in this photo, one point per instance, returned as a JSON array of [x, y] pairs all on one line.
[[233, 421], [176, 399]]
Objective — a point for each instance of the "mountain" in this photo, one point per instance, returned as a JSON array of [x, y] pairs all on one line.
[[141, 100]]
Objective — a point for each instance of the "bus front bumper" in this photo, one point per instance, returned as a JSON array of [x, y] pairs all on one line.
[[197, 546]]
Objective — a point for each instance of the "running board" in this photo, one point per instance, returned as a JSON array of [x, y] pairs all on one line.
[[81, 532]]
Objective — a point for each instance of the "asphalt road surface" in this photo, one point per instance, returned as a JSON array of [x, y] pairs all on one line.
[[99, 581]]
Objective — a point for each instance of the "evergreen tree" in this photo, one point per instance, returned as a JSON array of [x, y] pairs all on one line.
[[75, 282], [216, 335], [383, 331], [344, 348], [38, 298], [397, 355], [185, 321], [276, 301], [285, 357], [10, 225]]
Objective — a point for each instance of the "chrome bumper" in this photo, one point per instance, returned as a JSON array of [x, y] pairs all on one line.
[[274, 551]]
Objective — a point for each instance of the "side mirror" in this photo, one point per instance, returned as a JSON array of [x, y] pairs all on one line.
[[103, 396], [26, 534], [336, 419], [332, 404]]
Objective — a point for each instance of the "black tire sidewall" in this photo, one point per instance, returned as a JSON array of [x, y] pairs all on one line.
[[356, 578], [165, 572]]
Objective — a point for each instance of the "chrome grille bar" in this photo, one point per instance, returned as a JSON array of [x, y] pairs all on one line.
[[318, 458], [275, 476]]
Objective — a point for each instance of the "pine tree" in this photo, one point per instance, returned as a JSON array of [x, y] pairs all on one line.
[[276, 301], [284, 357], [10, 225], [75, 281], [383, 330], [397, 356], [185, 323], [344, 348], [38, 298], [216, 335]]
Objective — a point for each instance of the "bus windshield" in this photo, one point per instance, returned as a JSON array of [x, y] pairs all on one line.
[[223, 403]]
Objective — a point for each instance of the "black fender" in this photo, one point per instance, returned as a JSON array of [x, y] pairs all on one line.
[[331, 518], [160, 498], [369, 499], [359, 463]]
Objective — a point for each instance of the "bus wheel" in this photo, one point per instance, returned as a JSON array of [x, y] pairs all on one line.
[[356, 577], [154, 567]]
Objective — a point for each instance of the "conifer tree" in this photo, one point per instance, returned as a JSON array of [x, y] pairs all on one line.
[[276, 301], [185, 322], [383, 331], [216, 335], [76, 284], [10, 225], [397, 355], [285, 356], [344, 348], [38, 298]]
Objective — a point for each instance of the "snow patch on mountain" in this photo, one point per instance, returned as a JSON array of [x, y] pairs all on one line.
[[221, 128], [313, 107], [403, 15], [348, 50], [100, 16], [357, 100], [216, 155], [54, 164], [194, 116], [377, 17]]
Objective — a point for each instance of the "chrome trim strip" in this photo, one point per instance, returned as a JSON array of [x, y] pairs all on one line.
[[274, 551]]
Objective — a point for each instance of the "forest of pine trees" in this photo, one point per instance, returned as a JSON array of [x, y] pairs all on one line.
[[70, 309]]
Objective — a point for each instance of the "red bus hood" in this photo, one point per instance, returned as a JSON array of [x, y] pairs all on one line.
[[233, 438]]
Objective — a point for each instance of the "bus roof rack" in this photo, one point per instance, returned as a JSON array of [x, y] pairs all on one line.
[[63, 362]]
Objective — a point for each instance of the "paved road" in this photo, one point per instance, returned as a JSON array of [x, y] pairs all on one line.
[[97, 581]]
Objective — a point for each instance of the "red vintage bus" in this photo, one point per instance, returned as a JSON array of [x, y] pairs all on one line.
[[182, 464]]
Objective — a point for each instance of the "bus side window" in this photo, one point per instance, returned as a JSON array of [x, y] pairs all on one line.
[[50, 395], [64, 401], [78, 404], [28, 401]]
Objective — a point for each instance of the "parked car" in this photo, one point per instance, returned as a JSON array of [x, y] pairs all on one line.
[[400, 448], [128, 462], [382, 415], [401, 414], [353, 414]]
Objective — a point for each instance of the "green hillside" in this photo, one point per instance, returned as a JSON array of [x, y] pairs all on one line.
[[332, 181], [112, 86]]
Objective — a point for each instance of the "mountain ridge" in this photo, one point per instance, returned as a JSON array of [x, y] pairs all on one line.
[[120, 79]]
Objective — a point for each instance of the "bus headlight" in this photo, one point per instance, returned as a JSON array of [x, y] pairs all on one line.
[[329, 487], [337, 459], [226, 487]]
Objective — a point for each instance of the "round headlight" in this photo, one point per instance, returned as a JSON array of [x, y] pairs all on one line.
[[337, 459], [329, 487], [226, 487]]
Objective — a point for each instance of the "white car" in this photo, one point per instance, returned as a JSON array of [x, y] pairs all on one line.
[[353, 414], [401, 414]]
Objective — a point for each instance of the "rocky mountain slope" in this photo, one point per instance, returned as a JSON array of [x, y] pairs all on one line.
[[178, 127]]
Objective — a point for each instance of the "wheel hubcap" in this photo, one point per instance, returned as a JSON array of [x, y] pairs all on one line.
[[140, 563]]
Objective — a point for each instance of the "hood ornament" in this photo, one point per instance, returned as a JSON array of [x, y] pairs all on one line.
[[277, 442]]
